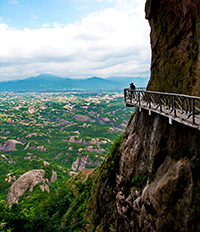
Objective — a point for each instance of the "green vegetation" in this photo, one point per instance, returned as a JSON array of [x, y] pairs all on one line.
[[56, 128], [63, 209]]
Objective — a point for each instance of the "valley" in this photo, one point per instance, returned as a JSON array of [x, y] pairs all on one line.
[[69, 131]]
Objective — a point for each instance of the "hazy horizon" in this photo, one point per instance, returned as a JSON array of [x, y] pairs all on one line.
[[75, 78]]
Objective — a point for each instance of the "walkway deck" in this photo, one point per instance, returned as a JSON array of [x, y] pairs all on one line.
[[181, 108]]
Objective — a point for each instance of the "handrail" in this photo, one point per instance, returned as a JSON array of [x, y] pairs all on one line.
[[180, 106]]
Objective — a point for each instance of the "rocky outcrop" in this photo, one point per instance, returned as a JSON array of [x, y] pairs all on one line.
[[96, 141], [9, 145], [80, 163], [26, 182], [84, 118], [175, 39], [53, 177]]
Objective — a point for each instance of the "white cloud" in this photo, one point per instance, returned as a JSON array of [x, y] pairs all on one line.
[[45, 25], [112, 42], [58, 25]]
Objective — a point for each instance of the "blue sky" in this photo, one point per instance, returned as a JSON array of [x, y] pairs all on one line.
[[22, 14], [73, 38]]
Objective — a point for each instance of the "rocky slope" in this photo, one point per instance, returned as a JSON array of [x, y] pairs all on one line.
[[150, 182]]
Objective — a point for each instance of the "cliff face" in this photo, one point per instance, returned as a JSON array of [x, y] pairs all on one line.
[[150, 181], [162, 197], [175, 39]]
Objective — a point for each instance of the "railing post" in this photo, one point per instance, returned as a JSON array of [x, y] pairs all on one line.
[[149, 101], [174, 105], [139, 97], [160, 102], [186, 105], [193, 110], [132, 95]]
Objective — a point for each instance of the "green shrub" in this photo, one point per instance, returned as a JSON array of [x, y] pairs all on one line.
[[48, 171]]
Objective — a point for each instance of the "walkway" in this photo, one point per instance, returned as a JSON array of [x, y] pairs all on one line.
[[178, 107]]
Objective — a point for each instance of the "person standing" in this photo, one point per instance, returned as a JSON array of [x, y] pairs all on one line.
[[132, 86], [132, 91]]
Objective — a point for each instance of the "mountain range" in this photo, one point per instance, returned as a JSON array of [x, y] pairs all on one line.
[[48, 83]]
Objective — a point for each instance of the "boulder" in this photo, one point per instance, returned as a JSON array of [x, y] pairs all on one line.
[[9, 145], [27, 181]]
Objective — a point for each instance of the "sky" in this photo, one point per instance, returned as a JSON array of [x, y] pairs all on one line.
[[74, 38]]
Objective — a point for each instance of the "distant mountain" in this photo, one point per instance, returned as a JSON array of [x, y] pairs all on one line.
[[125, 81], [48, 83], [43, 82], [96, 83], [45, 77]]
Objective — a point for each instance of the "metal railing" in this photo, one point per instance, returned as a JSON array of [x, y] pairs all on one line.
[[180, 106]]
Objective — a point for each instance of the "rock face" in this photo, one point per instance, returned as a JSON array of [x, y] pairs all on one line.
[[162, 199], [175, 39], [167, 199], [28, 180], [9, 145], [151, 182]]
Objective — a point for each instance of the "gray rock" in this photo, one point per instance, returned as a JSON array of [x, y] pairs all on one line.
[[9, 145], [28, 180]]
